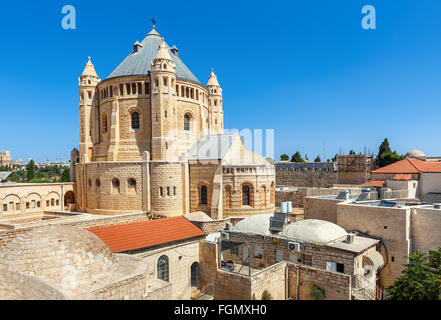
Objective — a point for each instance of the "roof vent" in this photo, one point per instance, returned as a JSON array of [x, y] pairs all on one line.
[[175, 51], [350, 238], [136, 46]]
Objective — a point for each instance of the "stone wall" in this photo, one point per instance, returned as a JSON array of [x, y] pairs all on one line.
[[392, 225], [272, 280], [208, 260], [426, 226], [231, 286], [321, 208], [301, 279], [302, 178], [180, 257], [30, 198]]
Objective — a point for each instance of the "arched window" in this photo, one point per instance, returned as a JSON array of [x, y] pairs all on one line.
[[204, 197], [104, 121], [163, 268], [131, 182], [195, 274], [135, 120], [97, 182], [246, 200], [187, 122]]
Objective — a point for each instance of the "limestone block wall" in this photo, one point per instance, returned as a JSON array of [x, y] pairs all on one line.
[[110, 187], [321, 208], [30, 198], [302, 279], [305, 178], [391, 225], [181, 257], [202, 175], [258, 183], [353, 177], [167, 188], [426, 223], [208, 260], [231, 286], [270, 247], [272, 279]]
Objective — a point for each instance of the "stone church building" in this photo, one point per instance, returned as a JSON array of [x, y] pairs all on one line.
[[151, 139]]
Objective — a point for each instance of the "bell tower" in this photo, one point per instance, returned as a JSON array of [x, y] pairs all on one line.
[[87, 83], [216, 114], [164, 106]]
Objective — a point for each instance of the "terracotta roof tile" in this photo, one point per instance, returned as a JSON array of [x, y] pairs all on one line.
[[402, 177], [138, 235], [409, 166], [374, 183]]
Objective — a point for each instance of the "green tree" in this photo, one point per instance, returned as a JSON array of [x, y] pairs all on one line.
[[335, 158], [296, 157], [420, 280], [384, 148], [318, 159], [351, 152], [30, 170], [284, 157], [65, 176]]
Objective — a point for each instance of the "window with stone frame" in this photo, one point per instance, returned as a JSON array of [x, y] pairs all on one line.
[[5, 207], [187, 120], [163, 268], [258, 251], [246, 196], [135, 120], [204, 195]]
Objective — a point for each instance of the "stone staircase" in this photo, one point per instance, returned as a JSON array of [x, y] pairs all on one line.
[[431, 197]]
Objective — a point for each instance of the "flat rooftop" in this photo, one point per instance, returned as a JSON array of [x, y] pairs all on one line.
[[358, 245]]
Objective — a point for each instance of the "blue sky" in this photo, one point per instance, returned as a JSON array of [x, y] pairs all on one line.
[[306, 69]]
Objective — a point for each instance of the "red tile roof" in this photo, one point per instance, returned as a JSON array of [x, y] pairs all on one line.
[[374, 183], [139, 235], [410, 165], [402, 177]]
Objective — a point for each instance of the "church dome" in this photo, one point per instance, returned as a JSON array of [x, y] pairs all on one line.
[[57, 254], [14, 286], [313, 230], [139, 62], [417, 154]]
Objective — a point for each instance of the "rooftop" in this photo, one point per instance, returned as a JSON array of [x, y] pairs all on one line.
[[146, 234], [410, 166], [139, 62]]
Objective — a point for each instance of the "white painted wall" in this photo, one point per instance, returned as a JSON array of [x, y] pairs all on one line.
[[430, 182]]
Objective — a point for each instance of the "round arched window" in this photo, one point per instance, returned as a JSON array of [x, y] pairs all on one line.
[[90, 182], [204, 195], [162, 268], [135, 120], [98, 182], [187, 122], [115, 183], [131, 182]]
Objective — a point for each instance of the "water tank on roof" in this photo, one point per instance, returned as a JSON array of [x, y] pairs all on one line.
[[289, 206], [283, 207]]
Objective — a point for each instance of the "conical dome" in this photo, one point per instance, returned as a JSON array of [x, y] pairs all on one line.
[[212, 80], [163, 53], [140, 62], [89, 69]]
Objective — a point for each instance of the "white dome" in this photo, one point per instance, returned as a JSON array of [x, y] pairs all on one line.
[[257, 224], [418, 154], [315, 231]]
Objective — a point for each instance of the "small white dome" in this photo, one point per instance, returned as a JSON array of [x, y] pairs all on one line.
[[313, 230], [417, 154], [257, 224]]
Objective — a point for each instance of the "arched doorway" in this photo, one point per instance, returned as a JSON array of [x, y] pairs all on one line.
[[195, 274], [69, 200]]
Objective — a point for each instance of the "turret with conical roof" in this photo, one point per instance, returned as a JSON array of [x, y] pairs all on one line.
[[164, 105], [215, 104], [87, 83]]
